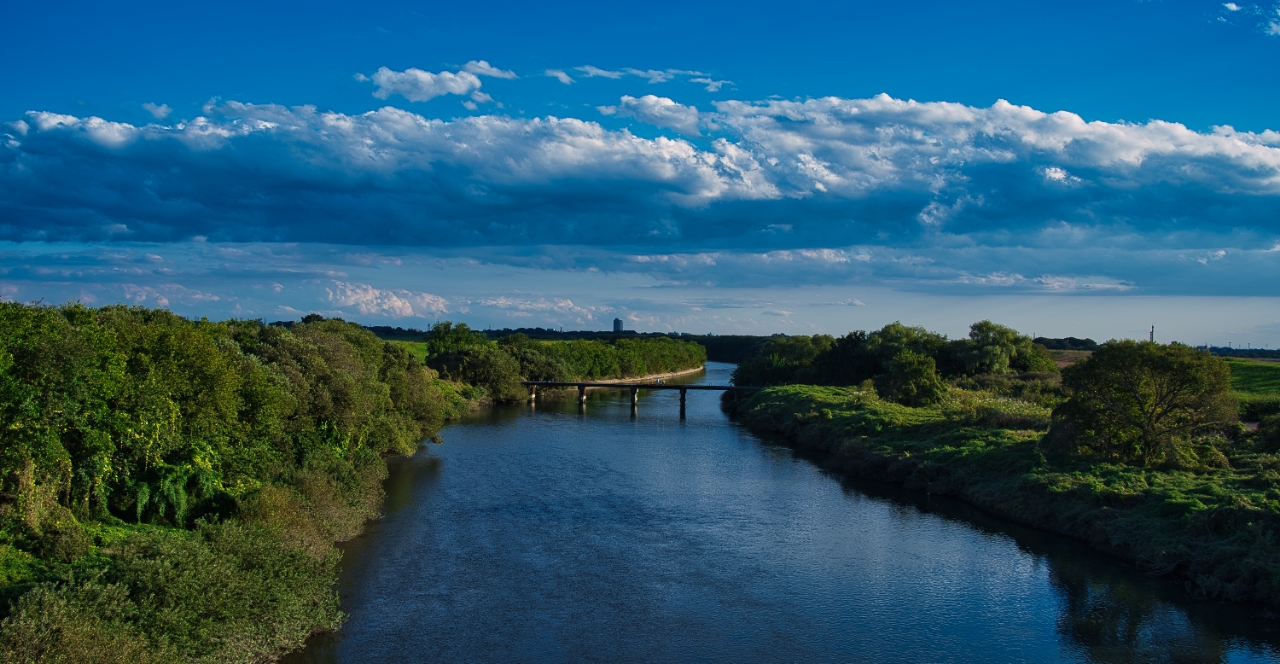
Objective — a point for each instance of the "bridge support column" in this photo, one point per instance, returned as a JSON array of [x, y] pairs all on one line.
[[635, 400], [683, 392], [533, 393], [582, 395]]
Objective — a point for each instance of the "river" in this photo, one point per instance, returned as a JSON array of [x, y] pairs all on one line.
[[546, 535]]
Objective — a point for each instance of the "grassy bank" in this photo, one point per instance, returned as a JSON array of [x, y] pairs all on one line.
[[171, 490], [1214, 529]]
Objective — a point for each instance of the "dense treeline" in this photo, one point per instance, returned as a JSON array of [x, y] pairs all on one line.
[[171, 489], [905, 364], [495, 368]]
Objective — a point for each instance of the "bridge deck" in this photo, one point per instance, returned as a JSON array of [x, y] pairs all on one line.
[[641, 386]]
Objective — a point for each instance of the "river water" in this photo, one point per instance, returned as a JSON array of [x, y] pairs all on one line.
[[549, 535]]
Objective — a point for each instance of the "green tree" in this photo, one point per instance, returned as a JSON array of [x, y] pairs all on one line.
[[447, 337], [912, 380], [996, 349], [1144, 403], [783, 360]]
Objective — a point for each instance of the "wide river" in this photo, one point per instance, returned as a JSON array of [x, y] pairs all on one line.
[[546, 535]]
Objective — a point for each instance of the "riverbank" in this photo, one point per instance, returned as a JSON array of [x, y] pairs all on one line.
[[1214, 530]]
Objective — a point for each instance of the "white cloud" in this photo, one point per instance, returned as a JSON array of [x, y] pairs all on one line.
[[398, 303], [559, 75], [592, 72], [832, 172], [1055, 174], [657, 111], [1273, 29], [652, 75], [1231, 6], [418, 85], [525, 307], [158, 112], [483, 68], [712, 85]]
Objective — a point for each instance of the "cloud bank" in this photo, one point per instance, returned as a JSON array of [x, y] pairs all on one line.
[[897, 191]]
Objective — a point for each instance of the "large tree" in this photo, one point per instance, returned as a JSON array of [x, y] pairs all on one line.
[[1143, 402]]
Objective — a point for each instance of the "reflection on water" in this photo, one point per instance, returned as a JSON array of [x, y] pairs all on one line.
[[548, 535]]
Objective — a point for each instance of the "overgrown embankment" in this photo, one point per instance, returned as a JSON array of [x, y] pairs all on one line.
[[493, 370], [170, 490], [1216, 529]]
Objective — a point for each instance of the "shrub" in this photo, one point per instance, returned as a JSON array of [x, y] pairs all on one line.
[[84, 622], [912, 380]]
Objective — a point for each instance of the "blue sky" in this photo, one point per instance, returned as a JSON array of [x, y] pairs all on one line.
[[1089, 169]]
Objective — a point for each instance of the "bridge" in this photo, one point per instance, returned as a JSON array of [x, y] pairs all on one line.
[[635, 388]]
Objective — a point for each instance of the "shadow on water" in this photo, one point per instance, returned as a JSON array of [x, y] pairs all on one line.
[[602, 536], [1112, 612]]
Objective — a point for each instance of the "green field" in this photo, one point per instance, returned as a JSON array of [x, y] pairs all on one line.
[[1256, 385], [1255, 377], [418, 349]]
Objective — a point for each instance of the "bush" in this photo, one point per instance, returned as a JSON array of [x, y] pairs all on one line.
[[912, 380], [85, 622]]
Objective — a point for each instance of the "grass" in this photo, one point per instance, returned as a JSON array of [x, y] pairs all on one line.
[[1215, 529], [418, 349], [1255, 377], [1256, 385]]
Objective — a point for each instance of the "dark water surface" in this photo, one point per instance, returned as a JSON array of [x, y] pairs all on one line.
[[546, 536]]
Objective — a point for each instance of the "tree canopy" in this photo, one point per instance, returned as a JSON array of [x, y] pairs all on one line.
[[1143, 402]]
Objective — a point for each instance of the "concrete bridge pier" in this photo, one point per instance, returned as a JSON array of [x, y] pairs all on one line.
[[582, 395], [683, 392], [635, 400], [533, 393]]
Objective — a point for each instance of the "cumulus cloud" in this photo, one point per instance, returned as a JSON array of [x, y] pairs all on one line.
[[418, 85], [158, 112], [1231, 6], [397, 303], [772, 175], [657, 111]]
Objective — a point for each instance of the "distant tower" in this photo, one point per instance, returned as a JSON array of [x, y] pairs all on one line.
[[617, 325], [1153, 334]]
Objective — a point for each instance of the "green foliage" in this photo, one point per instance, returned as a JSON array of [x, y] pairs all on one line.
[[1212, 527], [494, 370], [996, 349], [487, 367], [446, 337], [131, 415], [912, 380], [784, 359], [860, 356], [620, 358], [1145, 403]]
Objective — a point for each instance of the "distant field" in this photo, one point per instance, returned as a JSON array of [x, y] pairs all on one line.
[[1255, 377], [417, 349], [1066, 358]]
